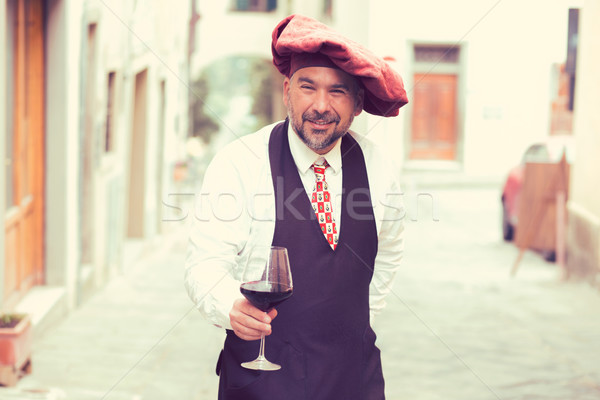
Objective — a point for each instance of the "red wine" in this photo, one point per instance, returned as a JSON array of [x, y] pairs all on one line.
[[265, 295]]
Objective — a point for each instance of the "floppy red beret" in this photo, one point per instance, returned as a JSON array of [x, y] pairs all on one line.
[[298, 38]]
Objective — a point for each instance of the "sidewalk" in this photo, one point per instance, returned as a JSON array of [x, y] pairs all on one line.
[[138, 338], [456, 327]]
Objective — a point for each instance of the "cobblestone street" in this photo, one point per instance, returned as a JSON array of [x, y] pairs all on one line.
[[457, 326]]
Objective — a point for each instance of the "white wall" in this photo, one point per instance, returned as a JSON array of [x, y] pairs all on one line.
[[223, 33], [510, 47], [132, 37], [164, 54], [62, 146], [157, 33], [2, 141], [583, 228], [162, 50], [586, 169]]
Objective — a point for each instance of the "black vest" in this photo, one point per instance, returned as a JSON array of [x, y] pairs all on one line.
[[321, 337]]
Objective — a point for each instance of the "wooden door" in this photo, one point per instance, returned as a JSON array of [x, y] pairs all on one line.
[[160, 156], [434, 128], [89, 144], [137, 168], [24, 215]]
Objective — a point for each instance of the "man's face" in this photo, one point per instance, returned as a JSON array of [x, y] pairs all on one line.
[[322, 103]]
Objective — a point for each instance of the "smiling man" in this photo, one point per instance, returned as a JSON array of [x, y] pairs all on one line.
[[329, 196], [322, 103]]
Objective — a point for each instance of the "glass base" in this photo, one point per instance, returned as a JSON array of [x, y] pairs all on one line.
[[261, 364]]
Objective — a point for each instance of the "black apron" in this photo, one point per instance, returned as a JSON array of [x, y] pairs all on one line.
[[321, 337]]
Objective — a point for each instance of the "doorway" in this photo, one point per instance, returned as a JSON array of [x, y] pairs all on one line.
[[88, 159], [24, 214], [433, 135], [137, 169], [435, 128]]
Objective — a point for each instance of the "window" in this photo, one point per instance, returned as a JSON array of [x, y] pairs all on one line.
[[110, 114], [328, 8], [437, 54], [255, 5]]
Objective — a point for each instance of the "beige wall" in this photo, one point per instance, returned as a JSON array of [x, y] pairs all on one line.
[[130, 36], [587, 118], [2, 141], [62, 151], [123, 51], [505, 82], [584, 204]]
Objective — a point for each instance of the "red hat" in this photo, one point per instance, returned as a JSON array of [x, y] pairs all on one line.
[[299, 42]]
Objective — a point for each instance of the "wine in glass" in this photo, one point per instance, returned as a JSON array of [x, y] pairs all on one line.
[[266, 282]]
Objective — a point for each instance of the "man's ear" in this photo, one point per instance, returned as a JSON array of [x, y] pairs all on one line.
[[358, 104], [286, 90]]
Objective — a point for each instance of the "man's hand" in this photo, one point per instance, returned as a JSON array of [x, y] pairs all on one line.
[[248, 322]]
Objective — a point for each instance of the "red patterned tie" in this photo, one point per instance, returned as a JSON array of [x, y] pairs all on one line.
[[321, 203]]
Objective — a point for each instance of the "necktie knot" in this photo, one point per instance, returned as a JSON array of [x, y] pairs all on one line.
[[319, 170]]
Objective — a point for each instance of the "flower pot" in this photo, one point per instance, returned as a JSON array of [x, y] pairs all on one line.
[[15, 350]]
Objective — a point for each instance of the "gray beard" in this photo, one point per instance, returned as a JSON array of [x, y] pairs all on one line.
[[319, 141]]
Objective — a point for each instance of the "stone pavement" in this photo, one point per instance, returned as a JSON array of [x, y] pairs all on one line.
[[457, 327]]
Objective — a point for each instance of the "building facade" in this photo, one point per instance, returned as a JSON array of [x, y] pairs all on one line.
[[479, 81], [94, 105], [583, 228]]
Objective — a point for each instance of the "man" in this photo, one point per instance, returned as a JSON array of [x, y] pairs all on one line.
[[261, 190]]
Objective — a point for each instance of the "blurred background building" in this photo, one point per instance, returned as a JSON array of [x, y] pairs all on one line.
[[94, 110], [112, 108], [481, 79], [583, 227]]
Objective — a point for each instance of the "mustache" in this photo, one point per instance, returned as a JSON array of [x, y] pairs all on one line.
[[327, 117]]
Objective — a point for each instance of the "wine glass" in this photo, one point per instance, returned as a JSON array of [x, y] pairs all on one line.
[[266, 282]]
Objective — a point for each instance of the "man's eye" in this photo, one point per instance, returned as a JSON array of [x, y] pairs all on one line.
[[306, 87]]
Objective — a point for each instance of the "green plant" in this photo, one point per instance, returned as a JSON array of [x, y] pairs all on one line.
[[10, 320], [261, 90], [204, 125], [220, 83]]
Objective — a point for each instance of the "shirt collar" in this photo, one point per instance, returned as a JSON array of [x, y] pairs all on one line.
[[305, 157]]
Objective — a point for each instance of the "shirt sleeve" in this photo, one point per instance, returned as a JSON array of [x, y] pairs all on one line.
[[390, 246], [219, 231]]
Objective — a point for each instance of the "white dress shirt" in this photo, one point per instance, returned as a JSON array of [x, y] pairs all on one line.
[[235, 211]]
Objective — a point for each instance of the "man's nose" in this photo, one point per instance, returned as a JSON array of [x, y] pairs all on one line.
[[321, 103]]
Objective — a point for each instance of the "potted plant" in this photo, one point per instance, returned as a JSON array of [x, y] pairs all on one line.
[[15, 347]]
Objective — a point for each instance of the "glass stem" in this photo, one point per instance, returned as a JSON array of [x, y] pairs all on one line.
[[261, 352]]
